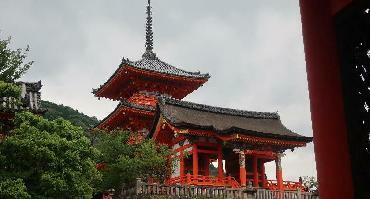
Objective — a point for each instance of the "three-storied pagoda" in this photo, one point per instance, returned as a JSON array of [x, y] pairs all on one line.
[[150, 93]]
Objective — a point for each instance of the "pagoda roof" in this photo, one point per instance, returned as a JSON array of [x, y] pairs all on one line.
[[182, 114], [151, 62], [125, 104]]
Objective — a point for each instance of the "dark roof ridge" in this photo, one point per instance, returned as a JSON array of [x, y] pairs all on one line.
[[137, 106], [214, 109], [151, 62]]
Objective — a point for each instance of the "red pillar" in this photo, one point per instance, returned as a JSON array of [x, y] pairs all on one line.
[[195, 160], [220, 164], [255, 171], [279, 172], [206, 169], [242, 171], [263, 174], [326, 99], [182, 165]]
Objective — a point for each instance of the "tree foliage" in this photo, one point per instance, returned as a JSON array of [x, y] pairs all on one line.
[[123, 163], [13, 188], [9, 90], [310, 183], [47, 159], [77, 118], [12, 62]]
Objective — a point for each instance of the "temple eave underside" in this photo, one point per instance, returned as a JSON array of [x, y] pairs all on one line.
[[128, 80]]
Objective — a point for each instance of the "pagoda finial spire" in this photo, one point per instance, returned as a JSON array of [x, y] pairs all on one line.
[[149, 33]]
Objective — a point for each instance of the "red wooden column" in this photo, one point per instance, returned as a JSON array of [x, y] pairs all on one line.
[[279, 171], [182, 165], [326, 98], [242, 171], [195, 160], [263, 174], [206, 163], [255, 171], [219, 160]]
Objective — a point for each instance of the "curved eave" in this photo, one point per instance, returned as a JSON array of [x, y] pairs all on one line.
[[124, 105], [235, 130], [123, 73]]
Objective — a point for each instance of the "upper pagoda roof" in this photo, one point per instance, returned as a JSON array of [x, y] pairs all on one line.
[[151, 62], [182, 114], [118, 86]]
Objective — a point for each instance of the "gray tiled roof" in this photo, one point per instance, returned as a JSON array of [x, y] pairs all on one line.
[[151, 62], [223, 120], [220, 110]]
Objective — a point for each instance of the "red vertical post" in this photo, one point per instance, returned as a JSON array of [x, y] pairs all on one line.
[[325, 90], [263, 174], [242, 171], [255, 171], [206, 163], [279, 172], [182, 165], [219, 161], [195, 160]]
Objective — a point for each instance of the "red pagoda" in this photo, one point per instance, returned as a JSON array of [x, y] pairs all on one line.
[[241, 142]]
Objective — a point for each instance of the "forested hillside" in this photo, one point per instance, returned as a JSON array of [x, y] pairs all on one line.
[[74, 116]]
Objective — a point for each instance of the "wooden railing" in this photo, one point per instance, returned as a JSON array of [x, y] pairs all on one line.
[[200, 180], [288, 185], [276, 194], [143, 190]]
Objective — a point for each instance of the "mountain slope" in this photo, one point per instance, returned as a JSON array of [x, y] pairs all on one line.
[[74, 116]]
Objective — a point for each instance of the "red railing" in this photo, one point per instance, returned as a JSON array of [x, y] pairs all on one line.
[[229, 181], [204, 181], [288, 185]]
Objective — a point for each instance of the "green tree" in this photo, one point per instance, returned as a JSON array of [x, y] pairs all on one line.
[[9, 90], [13, 188], [310, 183], [47, 159], [74, 116], [123, 162], [12, 62]]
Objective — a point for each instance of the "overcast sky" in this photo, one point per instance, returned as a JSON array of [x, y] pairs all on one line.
[[252, 49]]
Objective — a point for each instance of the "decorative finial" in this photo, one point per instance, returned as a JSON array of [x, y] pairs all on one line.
[[149, 54], [149, 28]]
